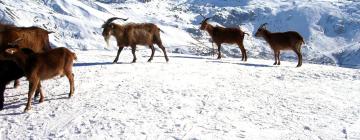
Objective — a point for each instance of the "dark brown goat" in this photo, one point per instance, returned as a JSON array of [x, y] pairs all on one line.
[[42, 66], [290, 40], [9, 71], [133, 34], [222, 35]]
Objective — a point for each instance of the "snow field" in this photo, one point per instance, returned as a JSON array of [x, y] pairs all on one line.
[[190, 97]]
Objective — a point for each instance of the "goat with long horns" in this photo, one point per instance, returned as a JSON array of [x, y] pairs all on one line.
[[133, 34]]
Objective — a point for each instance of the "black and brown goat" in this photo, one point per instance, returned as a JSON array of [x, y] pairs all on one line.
[[290, 40], [42, 66], [133, 34], [222, 35], [9, 71]]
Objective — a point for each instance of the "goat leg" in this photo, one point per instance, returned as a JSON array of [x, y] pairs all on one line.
[[275, 54], [133, 49], [298, 53], [152, 52], [16, 83], [117, 55], [70, 77], [32, 87], [2, 89], [243, 51], [164, 51], [219, 52], [278, 57], [39, 90]]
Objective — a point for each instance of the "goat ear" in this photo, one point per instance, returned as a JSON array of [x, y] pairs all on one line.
[[263, 25], [11, 50], [112, 26]]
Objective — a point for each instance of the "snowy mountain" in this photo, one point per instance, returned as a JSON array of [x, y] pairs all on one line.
[[193, 96], [330, 28]]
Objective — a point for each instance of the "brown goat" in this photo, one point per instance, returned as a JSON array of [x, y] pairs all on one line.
[[290, 40], [42, 66], [225, 35], [34, 38], [133, 34]]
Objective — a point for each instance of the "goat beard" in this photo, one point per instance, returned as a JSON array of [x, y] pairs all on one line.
[[107, 38]]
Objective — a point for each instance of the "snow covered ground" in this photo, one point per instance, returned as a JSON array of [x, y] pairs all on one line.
[[189, 98]]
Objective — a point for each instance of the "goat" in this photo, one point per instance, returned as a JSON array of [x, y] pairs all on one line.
[[32, 37], [9, 71], [42, 66], [133, 34], [222, 35], [290, 40]]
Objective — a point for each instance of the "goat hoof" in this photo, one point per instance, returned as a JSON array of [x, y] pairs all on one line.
[[149, 60], [16, 86], [27, 109], [41, 100], [114, 62], [274, 63]]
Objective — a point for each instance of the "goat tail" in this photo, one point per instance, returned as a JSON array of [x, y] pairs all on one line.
[[302, 40], [74, 56], [161, 30]]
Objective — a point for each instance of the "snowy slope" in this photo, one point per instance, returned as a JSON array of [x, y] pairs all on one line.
[[327, 26], [212, 99]]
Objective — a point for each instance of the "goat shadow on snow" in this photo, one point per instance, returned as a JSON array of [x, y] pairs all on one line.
[[188, 57], [238, 63], [22, 102], [214, 60], [85, 64]]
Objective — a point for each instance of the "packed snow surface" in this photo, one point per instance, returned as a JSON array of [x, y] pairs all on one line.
[[189, 98]]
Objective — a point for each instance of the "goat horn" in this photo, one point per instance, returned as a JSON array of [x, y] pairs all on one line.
[[203, 16], [15, 42], [206, 19], [263, 25], [111, 20]]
